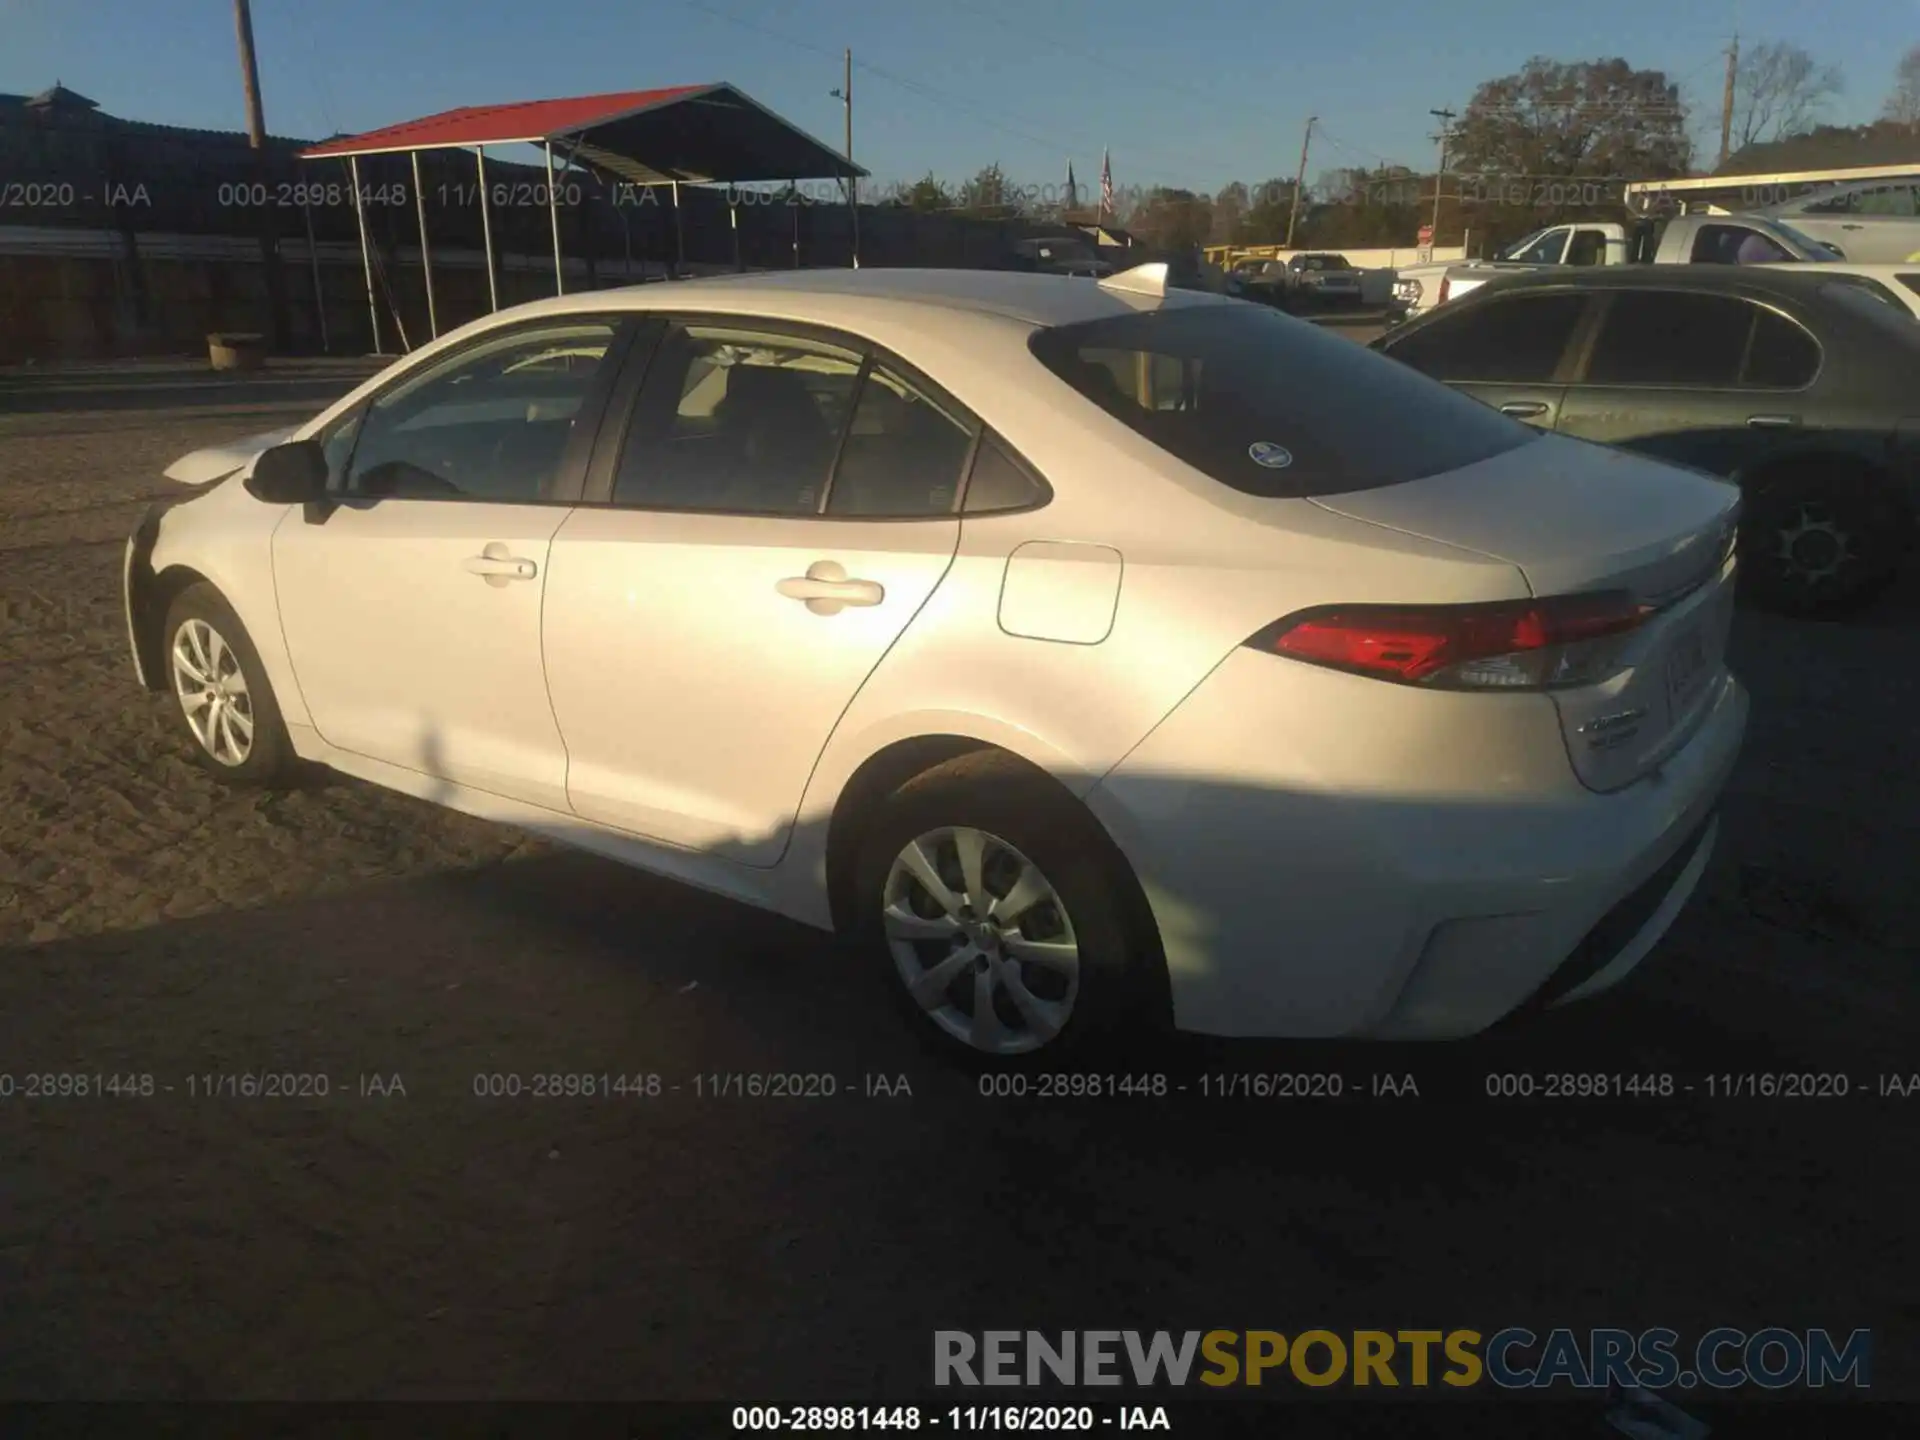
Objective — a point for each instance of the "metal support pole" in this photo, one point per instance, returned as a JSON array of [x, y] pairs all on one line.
[[553, 214], [679, 234], [486, 227], [793, 195], [319, 295], [366, 249], [733, 219], [426, 257]]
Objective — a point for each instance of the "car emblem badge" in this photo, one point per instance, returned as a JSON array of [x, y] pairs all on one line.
[[1272, 456]]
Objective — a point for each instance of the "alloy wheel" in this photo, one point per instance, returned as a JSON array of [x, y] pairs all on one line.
[[981, 940], [1811, 546], [213, 692]]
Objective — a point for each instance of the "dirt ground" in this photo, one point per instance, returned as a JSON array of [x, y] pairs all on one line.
[[402, 1237]]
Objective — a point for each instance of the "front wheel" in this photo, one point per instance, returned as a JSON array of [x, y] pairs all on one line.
[[998, 912], [221, 692]]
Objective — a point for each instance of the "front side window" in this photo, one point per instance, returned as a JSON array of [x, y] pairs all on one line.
[[1269, 405], [1547, 250], [490, 422], [1516, 339]]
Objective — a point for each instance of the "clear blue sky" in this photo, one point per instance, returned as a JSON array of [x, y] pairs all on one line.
[[1195, 94]]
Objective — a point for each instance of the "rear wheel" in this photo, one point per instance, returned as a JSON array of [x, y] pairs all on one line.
[[1822, 543], [220, 689], [991, 902]]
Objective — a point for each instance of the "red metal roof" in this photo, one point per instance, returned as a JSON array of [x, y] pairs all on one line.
[[501, 124]]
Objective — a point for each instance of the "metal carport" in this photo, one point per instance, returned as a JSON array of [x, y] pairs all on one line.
[[684, 134]]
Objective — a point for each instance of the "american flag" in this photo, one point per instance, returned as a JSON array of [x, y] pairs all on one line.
[[1106, 184]]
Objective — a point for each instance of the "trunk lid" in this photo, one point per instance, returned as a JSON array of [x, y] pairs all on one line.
[[1574, 518]]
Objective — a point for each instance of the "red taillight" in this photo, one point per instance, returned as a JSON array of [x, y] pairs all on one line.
[[1504, 645]]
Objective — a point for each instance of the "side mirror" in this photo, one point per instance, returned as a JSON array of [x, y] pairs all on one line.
[[290, 474]]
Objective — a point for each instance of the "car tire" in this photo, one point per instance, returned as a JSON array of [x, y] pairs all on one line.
[[1820, 543], [1076, 972], [221, 694]]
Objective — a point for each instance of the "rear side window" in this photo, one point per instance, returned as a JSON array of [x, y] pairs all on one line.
[[1665, 337], [999, 482], [1737, 245], [1270, 405], [1512, 339], [1781, 355]]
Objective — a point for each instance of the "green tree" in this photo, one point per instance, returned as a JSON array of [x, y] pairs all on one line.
[[1229, 213], [989, 194], [927, 195], [1559, 139], [1266, 221], [1170, 219]]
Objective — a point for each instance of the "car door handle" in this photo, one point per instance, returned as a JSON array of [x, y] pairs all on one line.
[[501, 567], [1772, 422], [826, 588], [1852, 227], [1523, 408]]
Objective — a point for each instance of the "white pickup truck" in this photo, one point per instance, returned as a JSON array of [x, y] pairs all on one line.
[[1682, 240]]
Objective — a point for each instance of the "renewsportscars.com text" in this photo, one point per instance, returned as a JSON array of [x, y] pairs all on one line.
[[1508, 1359]]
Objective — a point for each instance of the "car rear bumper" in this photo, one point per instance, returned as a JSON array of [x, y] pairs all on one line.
[[1353, 876]]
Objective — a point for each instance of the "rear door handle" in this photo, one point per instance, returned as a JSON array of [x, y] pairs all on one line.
[[1522, 408], [497, 566], [827, 590], [1773, 422]]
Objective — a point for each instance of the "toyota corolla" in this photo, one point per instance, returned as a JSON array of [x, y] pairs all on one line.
[[1094, 656]]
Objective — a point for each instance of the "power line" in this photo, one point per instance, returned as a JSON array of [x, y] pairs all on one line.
[[909, 83]]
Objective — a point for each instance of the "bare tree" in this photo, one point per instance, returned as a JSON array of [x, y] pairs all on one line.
[[1779, 91], [1903, 105]]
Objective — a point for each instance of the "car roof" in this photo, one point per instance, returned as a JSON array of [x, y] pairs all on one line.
[[1037, 299], [1790, 279]]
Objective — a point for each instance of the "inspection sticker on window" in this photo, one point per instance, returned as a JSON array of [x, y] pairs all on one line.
[[1274, 457]]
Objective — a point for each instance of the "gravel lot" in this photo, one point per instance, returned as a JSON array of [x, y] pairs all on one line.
[[433, 1244]]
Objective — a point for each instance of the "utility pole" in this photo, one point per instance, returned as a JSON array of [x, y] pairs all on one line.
[[1300, 180], [250, 74], [1445, 117], [845, 96], [1726, 100], [257, 141]]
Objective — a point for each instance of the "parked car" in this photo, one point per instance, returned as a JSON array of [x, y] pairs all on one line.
[[1323, 279], [1898, 285], [1871, 221], [1681, 240], [1090, 653], [1794, 383]]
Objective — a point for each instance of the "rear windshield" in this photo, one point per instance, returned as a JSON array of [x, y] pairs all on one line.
[[1271, 405]]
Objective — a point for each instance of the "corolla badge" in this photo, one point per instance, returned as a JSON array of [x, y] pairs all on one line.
[[1274, 457]]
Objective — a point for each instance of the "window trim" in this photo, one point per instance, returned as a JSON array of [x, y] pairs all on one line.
[[1605, 309], [602, 471], [564, 488]]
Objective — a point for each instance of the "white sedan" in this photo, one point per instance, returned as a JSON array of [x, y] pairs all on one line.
[[1095, 656]]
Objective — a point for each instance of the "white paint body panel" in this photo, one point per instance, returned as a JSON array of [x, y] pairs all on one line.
[[1064, 592], [694, 698], [1318, 848], [406, 657]]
